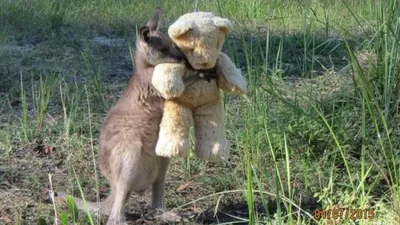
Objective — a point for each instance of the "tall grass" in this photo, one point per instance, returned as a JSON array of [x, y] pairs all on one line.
[[41, 94], [24, 115], [377, 103], [378, 87], [324, 15], [70, 106], [300, 142], [97, 86]]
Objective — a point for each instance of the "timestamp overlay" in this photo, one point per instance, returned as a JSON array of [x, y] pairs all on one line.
[[344, 214]]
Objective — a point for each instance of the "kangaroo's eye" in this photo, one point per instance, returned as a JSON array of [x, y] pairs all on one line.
[[164, 49]]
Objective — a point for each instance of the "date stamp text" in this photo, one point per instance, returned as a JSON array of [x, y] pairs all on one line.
[[344, 213]]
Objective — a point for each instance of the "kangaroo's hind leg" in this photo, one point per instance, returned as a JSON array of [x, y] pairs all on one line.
[[123, 165], [117, 215], [158, 187], [157, 194]]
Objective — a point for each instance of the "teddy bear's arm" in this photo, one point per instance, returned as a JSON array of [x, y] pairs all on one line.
[[167, 79], [229, 77]]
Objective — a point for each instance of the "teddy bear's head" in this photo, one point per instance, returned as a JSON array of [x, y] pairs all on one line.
[[200, 36]]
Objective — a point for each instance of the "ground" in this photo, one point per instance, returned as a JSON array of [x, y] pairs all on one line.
[[318, 129]]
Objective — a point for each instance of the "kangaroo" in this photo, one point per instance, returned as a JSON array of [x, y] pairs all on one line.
[[130, 130]]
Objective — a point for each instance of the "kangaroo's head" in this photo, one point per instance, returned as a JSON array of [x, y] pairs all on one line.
[[153, 46]]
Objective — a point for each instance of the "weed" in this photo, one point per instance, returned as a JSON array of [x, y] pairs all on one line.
[[41, 94], [24, 116]]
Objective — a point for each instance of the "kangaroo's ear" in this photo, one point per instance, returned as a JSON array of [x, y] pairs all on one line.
[[155, 21], [144, 33]]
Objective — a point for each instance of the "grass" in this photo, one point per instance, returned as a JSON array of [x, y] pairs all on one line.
[[319, 128]]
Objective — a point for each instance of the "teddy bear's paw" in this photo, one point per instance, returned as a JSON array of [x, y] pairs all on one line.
[[172, 147], [241, 87], [173, 91], [167, 79], [216, 151]]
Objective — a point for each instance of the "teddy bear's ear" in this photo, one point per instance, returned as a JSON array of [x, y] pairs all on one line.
[[223, 24], [177, 30]]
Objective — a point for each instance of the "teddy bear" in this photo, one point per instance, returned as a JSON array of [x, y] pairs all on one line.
[[200, 36]]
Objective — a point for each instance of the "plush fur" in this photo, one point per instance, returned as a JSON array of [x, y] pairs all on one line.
[[200, 36]]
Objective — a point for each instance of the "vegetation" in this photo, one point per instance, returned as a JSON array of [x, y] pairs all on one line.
[[319, 128]]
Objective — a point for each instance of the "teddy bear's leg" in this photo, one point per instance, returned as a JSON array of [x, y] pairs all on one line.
[[209, 126], [175, 124]]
